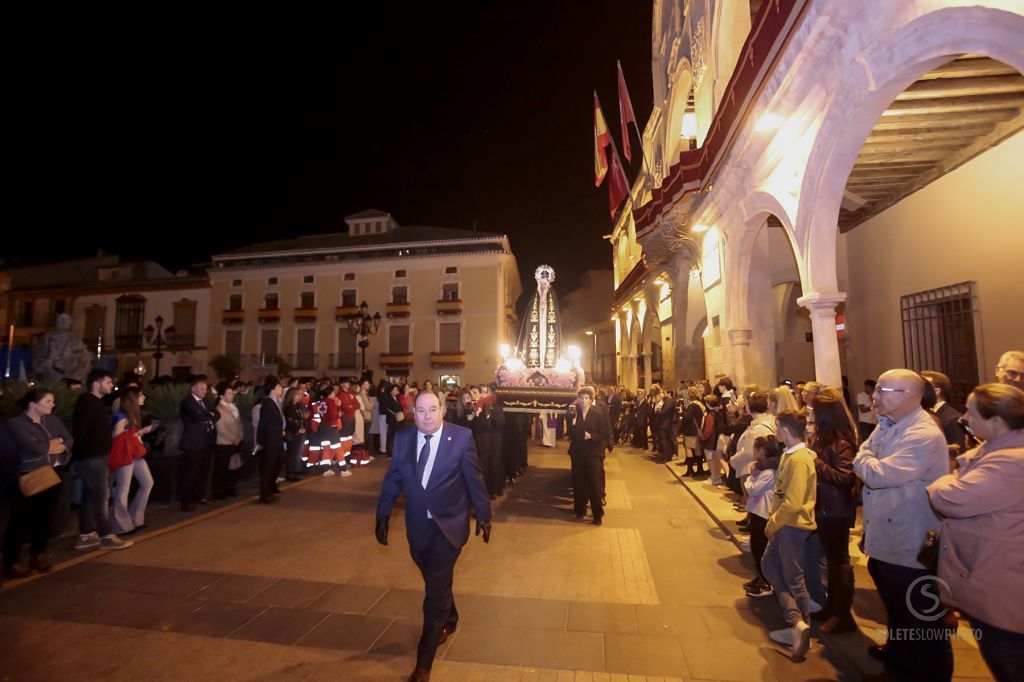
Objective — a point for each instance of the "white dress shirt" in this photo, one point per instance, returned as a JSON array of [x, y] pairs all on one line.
[[435, 441]]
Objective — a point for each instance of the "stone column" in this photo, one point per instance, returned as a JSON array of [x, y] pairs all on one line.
[[822, 307], [739, 339]]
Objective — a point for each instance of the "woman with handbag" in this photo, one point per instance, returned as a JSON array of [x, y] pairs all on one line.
[[42, 442], [981, 539], [127, 461], [226, 458]]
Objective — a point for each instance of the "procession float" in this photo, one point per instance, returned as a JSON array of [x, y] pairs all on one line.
[[540, 374]]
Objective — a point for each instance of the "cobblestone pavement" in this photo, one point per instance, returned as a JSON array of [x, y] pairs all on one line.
[[300, 590]]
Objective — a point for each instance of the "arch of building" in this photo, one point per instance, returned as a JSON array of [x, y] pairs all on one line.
[[893, 61], [867, 71]]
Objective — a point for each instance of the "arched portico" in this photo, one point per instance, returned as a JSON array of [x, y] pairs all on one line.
[[881, 71]]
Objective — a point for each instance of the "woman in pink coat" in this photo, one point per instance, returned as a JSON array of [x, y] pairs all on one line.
[[981, 551]]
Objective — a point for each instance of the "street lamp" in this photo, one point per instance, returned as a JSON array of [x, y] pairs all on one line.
[[363, 325], [593, 356], [159, 337]]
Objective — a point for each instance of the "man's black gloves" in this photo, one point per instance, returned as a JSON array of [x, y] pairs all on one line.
[[382, 530], [484, 527]]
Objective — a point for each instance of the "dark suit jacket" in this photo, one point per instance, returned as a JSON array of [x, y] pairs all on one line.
[[455, 482], [596, 424], [271, 424], [199, 430], [951, 429]]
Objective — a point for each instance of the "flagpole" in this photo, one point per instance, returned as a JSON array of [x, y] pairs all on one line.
[[643, 156], [622, 82]]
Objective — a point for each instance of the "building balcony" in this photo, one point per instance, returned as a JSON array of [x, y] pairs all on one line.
[[128, 341], [448, 359], [232, 317], [307, 361], [264, 361], [396, 359], [398, 309], [304, 315], [449, 307], [343, 312], [343, 361], [268, 315], [179, 340]]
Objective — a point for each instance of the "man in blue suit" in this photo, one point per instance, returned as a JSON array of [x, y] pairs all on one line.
[[436, 467]]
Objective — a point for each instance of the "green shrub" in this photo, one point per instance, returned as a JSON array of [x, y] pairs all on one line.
[[64, 397]]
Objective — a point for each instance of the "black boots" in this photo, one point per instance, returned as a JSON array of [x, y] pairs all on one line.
[[836, 613]]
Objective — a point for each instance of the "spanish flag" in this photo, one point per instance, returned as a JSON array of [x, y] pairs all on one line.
[[602, 138]]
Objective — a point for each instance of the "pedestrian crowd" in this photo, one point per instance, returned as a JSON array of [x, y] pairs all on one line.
[[297, 427], [940, 492]]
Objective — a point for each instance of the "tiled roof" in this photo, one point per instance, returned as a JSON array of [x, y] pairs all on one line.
[[341, 240]]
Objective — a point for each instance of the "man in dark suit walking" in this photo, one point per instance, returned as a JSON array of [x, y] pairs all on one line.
[[270, 439], [436, 467], [199, 433], [588, 437]]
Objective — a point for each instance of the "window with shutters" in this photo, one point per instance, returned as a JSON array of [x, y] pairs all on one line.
[[128, 321], [233, 344], [270, 302], [450, 291], [235, 302], [348, 297], [307, 300], [398, 339], [399, 294], [268, 343], [95, 320], [347, 350], [184, 324], [449, 337]]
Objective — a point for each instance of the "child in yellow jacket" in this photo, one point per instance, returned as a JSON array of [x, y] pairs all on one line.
[[790, 527]]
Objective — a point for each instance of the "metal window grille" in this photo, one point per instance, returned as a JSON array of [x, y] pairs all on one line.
[[940, 334]]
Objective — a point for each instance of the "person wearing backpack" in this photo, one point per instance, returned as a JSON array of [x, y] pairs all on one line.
[[711, 426]]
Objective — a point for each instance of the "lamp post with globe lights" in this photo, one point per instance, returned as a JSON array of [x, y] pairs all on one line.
[[159, 337], [364, 325]]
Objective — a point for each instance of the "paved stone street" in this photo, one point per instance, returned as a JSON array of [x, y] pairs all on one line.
[[302, 591]]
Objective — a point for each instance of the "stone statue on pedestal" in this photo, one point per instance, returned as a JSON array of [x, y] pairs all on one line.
[[60, 354]]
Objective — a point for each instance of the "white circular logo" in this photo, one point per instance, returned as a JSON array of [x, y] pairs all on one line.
[[924, 585]]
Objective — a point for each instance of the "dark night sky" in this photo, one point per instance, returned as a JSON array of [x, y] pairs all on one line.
[[205, 134]]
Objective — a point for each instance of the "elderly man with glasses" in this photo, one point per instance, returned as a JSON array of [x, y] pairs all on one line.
[[905, 453], [1010, 369]]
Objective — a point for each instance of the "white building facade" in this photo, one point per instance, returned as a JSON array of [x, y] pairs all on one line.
[[824, 161]]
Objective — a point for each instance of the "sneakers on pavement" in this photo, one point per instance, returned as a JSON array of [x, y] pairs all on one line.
[[815, 606], [280, 479], [113, 542], [346, 472], [783, 636], [801, 639], [330, 472], [761, 589], [87, 541]]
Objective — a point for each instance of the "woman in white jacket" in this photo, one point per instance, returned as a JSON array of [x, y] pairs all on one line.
[[229, 437]]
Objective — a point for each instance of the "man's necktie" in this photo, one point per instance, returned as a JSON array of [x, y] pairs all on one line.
[[421, 461]]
